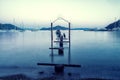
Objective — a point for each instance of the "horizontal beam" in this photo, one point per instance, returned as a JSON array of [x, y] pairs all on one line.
[[63, 38], [57, 48], [62, 41], [65, 65], [72, 65]]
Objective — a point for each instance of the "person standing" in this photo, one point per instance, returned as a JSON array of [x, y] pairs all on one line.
[[58, 33]]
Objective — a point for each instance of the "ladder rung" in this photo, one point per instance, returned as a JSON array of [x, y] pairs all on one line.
[[62, 41], [63, 38], [57, 48]]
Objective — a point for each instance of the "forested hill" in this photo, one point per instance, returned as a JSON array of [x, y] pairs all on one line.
[[114, 26], [9, 27]]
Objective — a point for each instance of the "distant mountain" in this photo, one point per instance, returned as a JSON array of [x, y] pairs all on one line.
[[55, 28], [9, 27], [64, 28], [114, 26], [85, 29]]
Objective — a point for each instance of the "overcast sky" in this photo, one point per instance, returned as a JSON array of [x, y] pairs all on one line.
[[81, 13]]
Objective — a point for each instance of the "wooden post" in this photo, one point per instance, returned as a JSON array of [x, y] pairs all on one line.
[[61, 51], [52, 42], [59, 68], [61, 41], [69, 52]]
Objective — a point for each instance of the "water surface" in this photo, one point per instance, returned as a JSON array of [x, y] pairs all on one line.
[[97, 52]]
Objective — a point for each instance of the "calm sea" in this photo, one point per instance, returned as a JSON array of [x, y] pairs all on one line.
[[97, 52]]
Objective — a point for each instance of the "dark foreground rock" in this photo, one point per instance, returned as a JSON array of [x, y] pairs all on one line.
[[94, 79], [15, 77], [24, 77]]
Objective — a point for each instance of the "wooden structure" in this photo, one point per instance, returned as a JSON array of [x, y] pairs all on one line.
[[59, 68], [60, 51]]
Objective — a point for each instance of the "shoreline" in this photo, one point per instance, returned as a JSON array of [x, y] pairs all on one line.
[[55, 77], [47, 73]]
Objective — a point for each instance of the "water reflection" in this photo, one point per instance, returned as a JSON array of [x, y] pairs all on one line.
[[86, 48], [8, 35], [97, 52], [115, 33], [115, 36]]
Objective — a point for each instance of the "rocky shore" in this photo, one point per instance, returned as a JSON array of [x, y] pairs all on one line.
[[56, 77]]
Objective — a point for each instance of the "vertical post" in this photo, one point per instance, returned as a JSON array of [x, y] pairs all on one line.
[[52, 42], [61, 51], [51, 35], [119, 23], [69, 52]]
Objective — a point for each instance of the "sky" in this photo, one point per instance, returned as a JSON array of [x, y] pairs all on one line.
[[81, 13]]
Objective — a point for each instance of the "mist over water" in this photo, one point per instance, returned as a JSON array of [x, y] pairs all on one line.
[[97, 52]]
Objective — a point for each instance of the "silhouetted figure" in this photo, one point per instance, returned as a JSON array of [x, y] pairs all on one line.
[[60, 51], [58, 33], [61, 41], [64, 35]]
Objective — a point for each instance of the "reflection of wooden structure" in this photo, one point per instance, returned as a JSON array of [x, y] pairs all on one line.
[[59, 68]]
